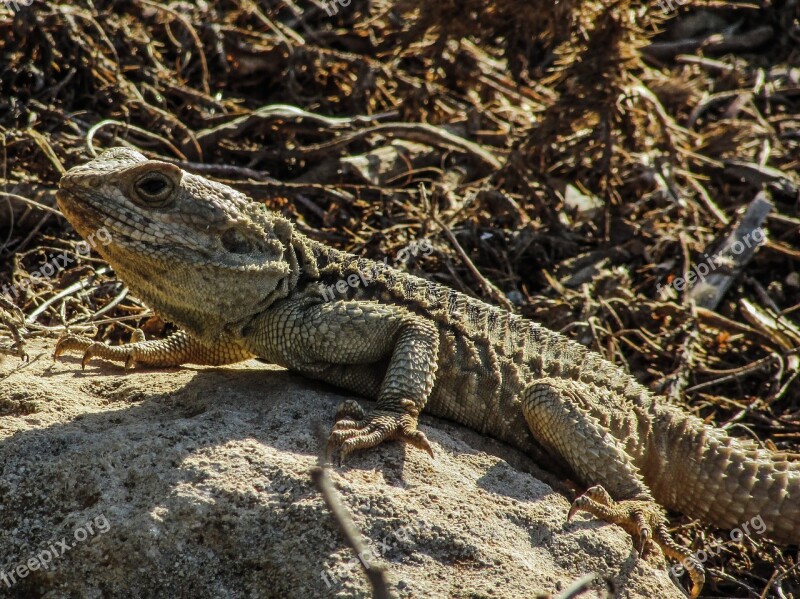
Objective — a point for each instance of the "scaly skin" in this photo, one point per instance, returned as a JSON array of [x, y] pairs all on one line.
[[241, 282]]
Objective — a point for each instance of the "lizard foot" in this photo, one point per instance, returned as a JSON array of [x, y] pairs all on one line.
[[91, 348], [355, 429], [644, 521]]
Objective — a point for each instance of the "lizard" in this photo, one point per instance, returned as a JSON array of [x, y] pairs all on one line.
[[242, 282]]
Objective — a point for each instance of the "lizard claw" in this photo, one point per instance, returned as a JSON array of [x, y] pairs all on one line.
[[643, 529], [360, 431], [88, 355], [91, 348], [637, 517], [74, 343], [645, 521]]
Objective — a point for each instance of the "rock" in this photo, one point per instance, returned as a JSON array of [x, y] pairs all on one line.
[[194, 482]]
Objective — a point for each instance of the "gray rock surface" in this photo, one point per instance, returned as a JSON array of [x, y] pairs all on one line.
[[194, 482]]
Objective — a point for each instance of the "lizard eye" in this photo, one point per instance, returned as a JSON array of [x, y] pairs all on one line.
[[154, 189]]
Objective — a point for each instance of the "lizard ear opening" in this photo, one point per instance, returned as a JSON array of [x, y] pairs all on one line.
[[236, 243]]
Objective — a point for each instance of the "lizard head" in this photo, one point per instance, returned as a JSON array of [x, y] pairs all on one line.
[[200, 253]]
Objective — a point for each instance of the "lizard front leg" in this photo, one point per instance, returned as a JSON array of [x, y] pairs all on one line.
[[179, 348], [377, 350]]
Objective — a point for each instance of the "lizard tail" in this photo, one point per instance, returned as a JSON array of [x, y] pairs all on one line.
[[731, 483]]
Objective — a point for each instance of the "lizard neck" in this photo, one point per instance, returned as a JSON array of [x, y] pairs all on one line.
[[214, 299], [306, 257]]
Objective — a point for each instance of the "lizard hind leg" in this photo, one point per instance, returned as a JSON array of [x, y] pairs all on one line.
[[643, 520], [575, 421]]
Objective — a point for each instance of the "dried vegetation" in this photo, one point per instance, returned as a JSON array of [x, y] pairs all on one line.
[[571, 159]]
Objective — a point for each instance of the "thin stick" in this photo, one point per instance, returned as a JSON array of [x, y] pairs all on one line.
[[77, 286], [485, 284], [376, 573], [33, 203]]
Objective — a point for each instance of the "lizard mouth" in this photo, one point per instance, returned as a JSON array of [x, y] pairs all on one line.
[[80, 214]]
